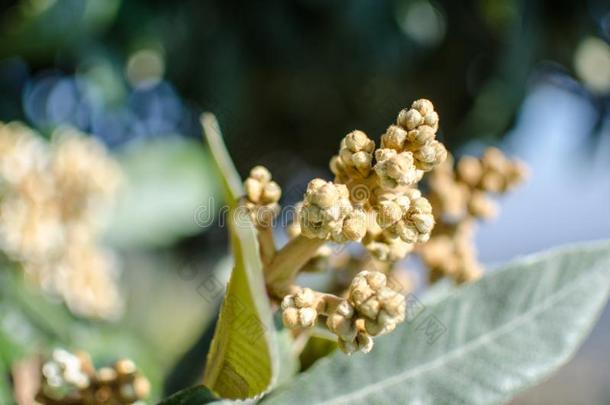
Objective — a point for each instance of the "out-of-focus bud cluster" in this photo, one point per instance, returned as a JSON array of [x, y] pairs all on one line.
[[72, 379], [53, 200], [460, 194], [372, 308], [262, 196]]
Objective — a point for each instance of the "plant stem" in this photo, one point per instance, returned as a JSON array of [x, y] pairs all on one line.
[[266, 243], [284, 267]]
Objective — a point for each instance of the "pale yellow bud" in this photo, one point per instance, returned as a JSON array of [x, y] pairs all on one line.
[[410, 119], [261, 174], [271, 193], [394, 138], [422, 135]]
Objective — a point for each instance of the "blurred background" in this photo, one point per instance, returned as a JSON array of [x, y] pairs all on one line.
[[287, 80]]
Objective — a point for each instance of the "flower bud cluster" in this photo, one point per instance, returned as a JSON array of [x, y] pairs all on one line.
[[71, 378], [371, 309], [415, 132], [451, 253], [355, 155], [328, 214], [262, 195], [380, 306], [493, 172], [54, 197], [407, 216]]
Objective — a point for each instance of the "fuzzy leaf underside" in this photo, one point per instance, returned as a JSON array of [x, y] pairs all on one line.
[[243, 356], [481, 344]]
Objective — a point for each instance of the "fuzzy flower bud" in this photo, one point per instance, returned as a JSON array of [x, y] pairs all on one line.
[[394, 138], [262, 195], [341, 321], [299, 309], [328, 214], [431, 154], [396, 169], [381, 307]]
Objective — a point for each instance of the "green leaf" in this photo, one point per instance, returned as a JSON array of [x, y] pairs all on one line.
[[481, 344], [193, 396], [243, 357], [232, 184], [169, 193]]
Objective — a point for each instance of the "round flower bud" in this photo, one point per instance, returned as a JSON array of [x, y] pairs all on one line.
[[421, 135], [341, 321], [430, 155], [396, 169], [409, 119], [261, 174], [394, 138], [481, 206], [469, 170], [354, 226]]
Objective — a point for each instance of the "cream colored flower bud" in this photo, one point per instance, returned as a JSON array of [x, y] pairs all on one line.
[[394, 138], [430, 155], [431, 120], [298, 309], [389, 213], [396, 169], [341, 321], [469, 170], [324, 195], [421, 135], [254, 189], [410, 119], [304, 298], [357, 141], [423, 105], [354, 226], [271, 193], [261, 174], [481, 206]]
